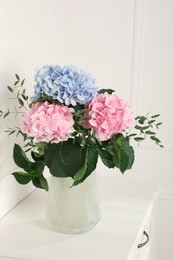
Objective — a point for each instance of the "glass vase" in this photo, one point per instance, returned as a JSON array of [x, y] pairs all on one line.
[[73, 209]]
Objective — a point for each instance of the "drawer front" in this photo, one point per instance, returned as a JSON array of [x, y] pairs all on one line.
[[141, 250]]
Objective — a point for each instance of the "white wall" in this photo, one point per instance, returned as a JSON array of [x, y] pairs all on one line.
[[126, 44], [25, 43]]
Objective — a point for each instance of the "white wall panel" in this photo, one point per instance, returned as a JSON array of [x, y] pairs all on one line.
[[97, 36], [157, 63]]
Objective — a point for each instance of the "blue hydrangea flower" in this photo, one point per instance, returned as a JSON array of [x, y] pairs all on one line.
[[67, 85]]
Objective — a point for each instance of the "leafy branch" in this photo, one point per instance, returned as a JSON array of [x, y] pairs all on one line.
[[33, 171], [19, 93], [146, 126]]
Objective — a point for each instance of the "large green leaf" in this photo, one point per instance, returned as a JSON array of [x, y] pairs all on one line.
[[91, 160], [106, 157], [80, 174], [21, 159], [90, 157], [63, 159], [122, 152]]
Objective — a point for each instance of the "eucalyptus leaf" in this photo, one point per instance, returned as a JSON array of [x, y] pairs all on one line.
[[10, 88], [21, 102], [109, 91], [22, 83], [17, 77], [139, 139], [6, 114], [154, 116], [142, 119]]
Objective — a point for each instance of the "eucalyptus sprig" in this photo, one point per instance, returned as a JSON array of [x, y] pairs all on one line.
[[19, 93], [147, 126]]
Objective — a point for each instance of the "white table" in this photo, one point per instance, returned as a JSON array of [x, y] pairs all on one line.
[[126, 208]]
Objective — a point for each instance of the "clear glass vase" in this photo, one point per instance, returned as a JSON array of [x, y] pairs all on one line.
[[76, 209]]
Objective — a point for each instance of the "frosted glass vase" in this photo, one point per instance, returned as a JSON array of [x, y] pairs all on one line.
[[76, 209]]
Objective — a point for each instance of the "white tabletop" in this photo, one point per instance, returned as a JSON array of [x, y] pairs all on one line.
[[24, 233]]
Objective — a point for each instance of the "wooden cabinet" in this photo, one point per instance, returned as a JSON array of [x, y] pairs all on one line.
[[126, 214]]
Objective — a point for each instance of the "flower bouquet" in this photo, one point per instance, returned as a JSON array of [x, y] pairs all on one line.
[[67, 126], [69, 123]]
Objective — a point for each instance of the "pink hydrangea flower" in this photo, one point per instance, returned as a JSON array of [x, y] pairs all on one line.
[[109, 115], [47, 122]]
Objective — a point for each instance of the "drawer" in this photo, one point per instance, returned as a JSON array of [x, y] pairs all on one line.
[[141, 248]]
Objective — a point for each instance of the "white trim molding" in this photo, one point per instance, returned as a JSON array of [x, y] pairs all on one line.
[[137, 47], [165, 196]]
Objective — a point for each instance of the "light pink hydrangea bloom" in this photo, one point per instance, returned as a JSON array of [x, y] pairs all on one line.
[[109, 115], [47, 122]]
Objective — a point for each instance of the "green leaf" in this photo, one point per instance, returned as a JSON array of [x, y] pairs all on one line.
[[91, 160], [142, 119], [109, 91], [40, 182], [21, 159], [22, 177], [136, 118], [10, 89], [44, 183], [122, 160], [151, 121], [80, 174], [6, 114], [24, 97], [150, 133], [37, 156], [154, 116], [21, 102], [131, 135], [16, 82], [158, 124], [22, 83], [106, 158], [139, 139], [145, 127], [122, 151], [36, 182], [89, 157], [155, 139], [37, 168], [12, 132], [63, 159], [138, 127], [17, 77]]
